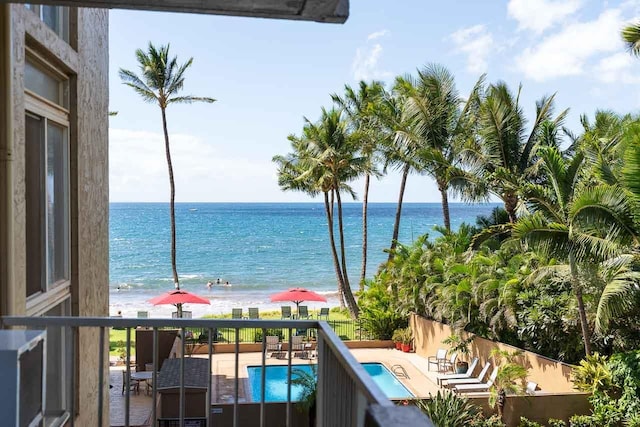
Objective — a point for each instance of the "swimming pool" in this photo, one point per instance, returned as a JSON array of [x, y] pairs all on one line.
[[276, 382]]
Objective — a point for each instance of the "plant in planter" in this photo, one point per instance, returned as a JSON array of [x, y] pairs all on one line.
[[309, 383], [407, 338], [460, 345], [510, 380], [397, 338]]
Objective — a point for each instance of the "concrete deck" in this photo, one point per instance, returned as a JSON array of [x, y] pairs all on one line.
[[421, 382]]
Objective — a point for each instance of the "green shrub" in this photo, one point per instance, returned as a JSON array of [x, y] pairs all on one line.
[[581, 421], [270, 332], [527, 423], [492, 421], [556, 423], [449, 410]]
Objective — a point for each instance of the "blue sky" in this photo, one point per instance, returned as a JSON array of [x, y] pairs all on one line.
[[268, 74]]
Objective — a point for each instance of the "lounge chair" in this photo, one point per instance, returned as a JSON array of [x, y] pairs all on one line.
[[444, 377], [303, 312], [236, 313], [463, 388], [254, 313], [450, 364], [324, 313], [273, 345], [143, 315], [470, 380], [285, 312], [438, 359], [185, 315]]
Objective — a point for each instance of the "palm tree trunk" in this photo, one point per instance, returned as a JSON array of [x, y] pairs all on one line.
[[341, 287], [445, 206], [172, 212], [396, 225], [365, 207], [334, 252], [510, 205], [577, 289], [348, 294]]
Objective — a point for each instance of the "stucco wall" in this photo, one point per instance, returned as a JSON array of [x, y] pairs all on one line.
[[87, 68], [551, 375]]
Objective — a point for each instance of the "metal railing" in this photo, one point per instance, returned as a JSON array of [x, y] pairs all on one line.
[[345, 392]]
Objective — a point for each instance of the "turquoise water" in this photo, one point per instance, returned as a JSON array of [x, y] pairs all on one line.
[[276, 382], [260, 248]]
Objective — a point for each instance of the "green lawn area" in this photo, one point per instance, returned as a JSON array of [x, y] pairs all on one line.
[[338, 319]]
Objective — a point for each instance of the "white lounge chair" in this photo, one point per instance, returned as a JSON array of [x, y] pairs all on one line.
[[470, 369], [470, 380], [463, 388], [273, 345], [449, 364], [531, 388]]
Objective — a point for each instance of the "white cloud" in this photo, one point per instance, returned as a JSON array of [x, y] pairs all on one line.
[[538, 15], [476, 42], [138, 170], [616, 68], [377, 34], [365, 64], [568, 52]]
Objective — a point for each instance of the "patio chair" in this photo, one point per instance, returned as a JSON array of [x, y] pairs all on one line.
[[143, 315], [134, 385], [444, 377], [301, 332], [477, 387], [273, 345], [185, 315], [438, 359], [297, 343], [449, 364], [470, 380], [324, 313], [531, 388], [303, 312], [285, 312], [254, 313], [236, 313]]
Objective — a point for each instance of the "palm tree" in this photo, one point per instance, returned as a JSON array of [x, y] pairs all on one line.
[[509, 380], [160, 80], [575, 223], [324, 161], [631, 36], [506, 150], [361, 107], [442, 129]]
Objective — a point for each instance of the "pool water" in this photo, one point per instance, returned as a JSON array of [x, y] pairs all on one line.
[[276, 382]]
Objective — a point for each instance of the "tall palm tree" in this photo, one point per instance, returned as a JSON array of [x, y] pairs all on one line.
[[324, 161], [507, 151], [360, 107], [442, 129], [575, 223], [631, 36], [160, 80], [402, 149]]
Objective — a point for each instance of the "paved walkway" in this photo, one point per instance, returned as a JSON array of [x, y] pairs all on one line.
[[140, 404]]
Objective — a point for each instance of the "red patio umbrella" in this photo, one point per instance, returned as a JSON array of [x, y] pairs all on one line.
[[297, 295], [178, 297]]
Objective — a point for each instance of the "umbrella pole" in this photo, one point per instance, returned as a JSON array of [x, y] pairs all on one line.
[[179, 310]]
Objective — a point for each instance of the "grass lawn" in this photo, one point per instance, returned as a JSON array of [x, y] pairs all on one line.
[[338, 319]]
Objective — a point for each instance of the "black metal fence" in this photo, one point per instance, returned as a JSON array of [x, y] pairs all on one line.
[[347, 330]]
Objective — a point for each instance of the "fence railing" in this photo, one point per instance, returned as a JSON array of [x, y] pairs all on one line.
[[345, 392]]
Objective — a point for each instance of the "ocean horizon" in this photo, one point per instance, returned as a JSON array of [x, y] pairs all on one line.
[[259, 248]]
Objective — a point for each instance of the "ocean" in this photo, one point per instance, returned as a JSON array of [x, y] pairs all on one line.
[[259, 248]]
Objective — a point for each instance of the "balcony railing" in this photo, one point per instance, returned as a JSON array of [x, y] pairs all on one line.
[[346, 394]]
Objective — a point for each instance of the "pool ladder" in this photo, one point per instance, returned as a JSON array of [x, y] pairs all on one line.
[[399, 371]]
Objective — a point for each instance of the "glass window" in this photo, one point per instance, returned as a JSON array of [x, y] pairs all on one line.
[[56, 18], [47, 184], [46, 85]]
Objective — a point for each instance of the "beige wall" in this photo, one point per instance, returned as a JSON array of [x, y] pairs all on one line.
[[551, 375], [85, 61]]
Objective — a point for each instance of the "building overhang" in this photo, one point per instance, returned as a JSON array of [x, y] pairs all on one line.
[[332, 11]]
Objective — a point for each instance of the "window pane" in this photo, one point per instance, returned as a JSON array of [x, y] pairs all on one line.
[[35, 223], [57, 204], [45, 85]]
